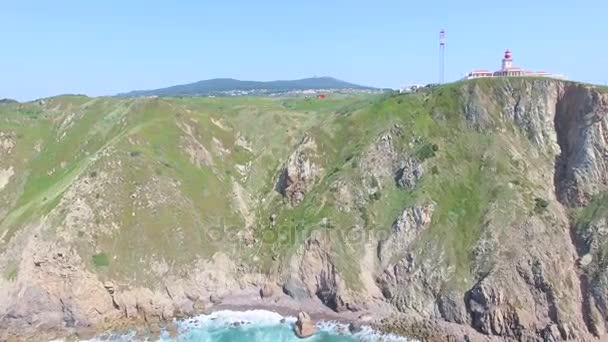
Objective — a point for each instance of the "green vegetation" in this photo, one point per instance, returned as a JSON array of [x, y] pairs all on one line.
[[426, 151], [169, 181], [589, 227], [540, 205], [11, 271], [100, 260], [221, 86]]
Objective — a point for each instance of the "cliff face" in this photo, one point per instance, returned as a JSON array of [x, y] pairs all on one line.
[[475, 209], [566, 123]]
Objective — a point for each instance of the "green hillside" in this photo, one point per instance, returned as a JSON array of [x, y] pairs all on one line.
[[442, 204], [218, 85]]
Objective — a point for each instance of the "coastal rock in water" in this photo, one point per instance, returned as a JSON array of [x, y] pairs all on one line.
[[304, 325], [355, 327]]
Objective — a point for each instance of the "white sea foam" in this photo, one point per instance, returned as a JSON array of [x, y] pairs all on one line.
[[367, 334], [227, 318]]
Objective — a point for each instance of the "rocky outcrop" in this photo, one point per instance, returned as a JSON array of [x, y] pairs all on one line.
[[51, 291], [581, 123], [562, 119], [406, 284], [381, 161], [304, 326], [300, 172], [409, 174], [267, 291], [312, 273], [54, 294], [404, 230]]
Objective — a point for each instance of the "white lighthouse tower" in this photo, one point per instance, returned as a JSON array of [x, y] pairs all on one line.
[[507, 62]]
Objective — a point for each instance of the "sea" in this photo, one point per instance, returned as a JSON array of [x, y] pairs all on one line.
[[253, 326]]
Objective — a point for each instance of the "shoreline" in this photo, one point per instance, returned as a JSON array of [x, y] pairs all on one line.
[[285, 306], [238, 301], [283, 311]]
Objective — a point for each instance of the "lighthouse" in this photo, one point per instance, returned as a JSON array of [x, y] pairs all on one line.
[[510, 70], [507, 62]]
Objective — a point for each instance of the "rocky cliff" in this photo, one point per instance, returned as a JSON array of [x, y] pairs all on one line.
[[476, 210]]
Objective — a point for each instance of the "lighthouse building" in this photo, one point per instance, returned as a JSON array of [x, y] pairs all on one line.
[[509, 70]]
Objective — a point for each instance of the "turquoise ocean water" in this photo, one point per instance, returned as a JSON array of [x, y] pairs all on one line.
[[253, 326]]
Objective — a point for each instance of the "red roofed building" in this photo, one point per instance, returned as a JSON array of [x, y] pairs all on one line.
[[509, 70]]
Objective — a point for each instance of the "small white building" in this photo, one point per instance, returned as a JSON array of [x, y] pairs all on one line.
[[411, 88], [509, 70]]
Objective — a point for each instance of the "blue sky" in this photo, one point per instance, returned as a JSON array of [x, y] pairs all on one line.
[[110, 46]]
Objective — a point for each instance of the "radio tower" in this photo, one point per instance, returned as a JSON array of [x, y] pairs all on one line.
[[441, 56]]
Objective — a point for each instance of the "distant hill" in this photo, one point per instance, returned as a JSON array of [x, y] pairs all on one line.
[[221, 85]]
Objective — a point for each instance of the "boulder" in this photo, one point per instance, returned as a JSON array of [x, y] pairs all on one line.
[[296, 289], [215, 299], [355, 327], [199, 306], [266, 291], [304, 325]]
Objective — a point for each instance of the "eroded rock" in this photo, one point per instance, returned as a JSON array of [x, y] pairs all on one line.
[[409, 174], [267, 291], [299, 173], [304, 327]]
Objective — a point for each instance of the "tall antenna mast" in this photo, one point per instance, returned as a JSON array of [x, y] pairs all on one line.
[[441, 56]]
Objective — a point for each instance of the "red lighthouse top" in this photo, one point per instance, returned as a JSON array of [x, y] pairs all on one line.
[[507, 54]]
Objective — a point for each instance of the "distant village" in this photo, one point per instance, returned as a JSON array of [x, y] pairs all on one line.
[[306, 93], [318, 93]]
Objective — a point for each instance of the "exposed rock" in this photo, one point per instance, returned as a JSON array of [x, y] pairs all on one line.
[[452, 308], [110, 287], [196, 151], [242, 202], [5, 176], [405, 229], [409, 174], [215, 299], [355, 327], [304, 327], [295, 288], [585, 260], [491, 313], [380, 162], [199, 306], [299, 173], [273, 220], [266, 291], [564, 119], [581, 121], [312, 271], [243, 142], [7, 143]]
